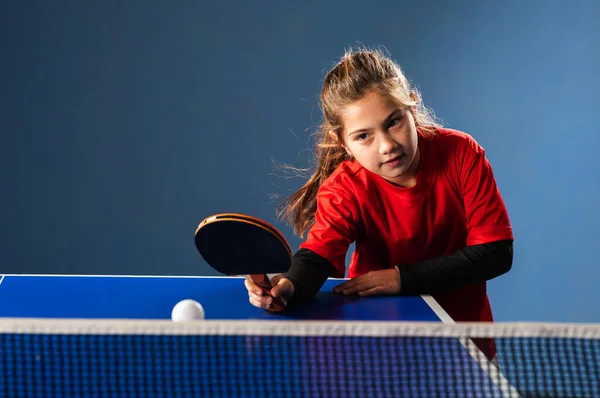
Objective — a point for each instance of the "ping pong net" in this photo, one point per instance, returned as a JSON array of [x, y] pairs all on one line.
[[140, 358]]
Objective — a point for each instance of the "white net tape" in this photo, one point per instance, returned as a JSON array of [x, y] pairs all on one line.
[[299, 328]]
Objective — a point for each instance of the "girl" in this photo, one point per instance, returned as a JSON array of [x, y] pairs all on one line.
[[418, 200]]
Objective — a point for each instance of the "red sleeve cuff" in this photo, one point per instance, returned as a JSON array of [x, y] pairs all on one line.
[[487, 235]]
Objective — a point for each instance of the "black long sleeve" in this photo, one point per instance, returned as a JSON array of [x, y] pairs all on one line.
[[470, 265], [473, 264], [308, 272]]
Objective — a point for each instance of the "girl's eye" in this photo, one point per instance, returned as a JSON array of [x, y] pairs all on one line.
[[394, 121], [361, 137]]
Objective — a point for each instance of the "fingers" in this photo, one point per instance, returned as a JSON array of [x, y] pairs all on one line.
[[269, 301], [359, 287], [374, 291], [372, 283], [355, 285], [264, 302], [257, 297], [276, 279], [346, 285], [282, 287]]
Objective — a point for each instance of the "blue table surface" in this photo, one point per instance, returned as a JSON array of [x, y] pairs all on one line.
[[226, 298], [148, 297]]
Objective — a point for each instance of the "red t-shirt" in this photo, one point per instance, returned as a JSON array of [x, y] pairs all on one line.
[[454, 203]]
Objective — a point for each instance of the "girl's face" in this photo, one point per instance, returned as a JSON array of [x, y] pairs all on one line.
[[382, 137]]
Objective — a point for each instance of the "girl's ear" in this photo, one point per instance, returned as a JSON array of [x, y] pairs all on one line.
[[413, 108], [333, 136]]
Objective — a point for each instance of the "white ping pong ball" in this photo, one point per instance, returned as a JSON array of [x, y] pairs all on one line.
[[187, 310]]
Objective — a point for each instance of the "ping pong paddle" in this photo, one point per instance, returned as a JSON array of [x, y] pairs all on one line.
[[238, 244]]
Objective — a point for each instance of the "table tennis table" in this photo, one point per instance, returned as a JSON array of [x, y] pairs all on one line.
[[144, 298]]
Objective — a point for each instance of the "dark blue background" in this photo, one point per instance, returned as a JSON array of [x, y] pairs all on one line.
[[123, 124]]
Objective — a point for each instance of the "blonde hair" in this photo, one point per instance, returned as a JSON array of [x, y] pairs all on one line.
[[359, 72]]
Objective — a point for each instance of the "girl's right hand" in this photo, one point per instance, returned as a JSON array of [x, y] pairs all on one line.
[[282, 287]]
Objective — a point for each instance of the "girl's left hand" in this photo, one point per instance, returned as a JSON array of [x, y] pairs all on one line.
[[372, 283]]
